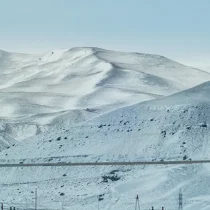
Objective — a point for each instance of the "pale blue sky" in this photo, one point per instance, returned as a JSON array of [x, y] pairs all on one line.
[[179, 29]]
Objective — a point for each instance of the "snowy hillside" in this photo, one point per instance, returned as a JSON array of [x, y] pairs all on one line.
[[172, 128], [40, 87], [74, 85]]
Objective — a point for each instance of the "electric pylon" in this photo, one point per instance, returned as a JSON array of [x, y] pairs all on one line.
[[180, 200], [137, 206]]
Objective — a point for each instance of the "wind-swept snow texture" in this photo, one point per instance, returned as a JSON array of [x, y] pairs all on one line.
[[42, 86], [172, 128], [75, 85]]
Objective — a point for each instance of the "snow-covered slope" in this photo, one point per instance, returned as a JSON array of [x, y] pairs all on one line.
[[80, 78], [80, 84], [172, 128]]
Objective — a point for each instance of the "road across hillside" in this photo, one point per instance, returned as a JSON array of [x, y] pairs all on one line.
[[105, 163]]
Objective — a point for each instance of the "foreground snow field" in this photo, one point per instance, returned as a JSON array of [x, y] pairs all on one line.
[[86, 104]]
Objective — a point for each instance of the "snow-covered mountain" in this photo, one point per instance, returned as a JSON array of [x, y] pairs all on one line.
[[172, 128], [40, 87], [79, 84]]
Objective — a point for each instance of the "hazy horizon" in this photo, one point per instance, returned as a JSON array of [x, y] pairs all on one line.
[[176, 29]]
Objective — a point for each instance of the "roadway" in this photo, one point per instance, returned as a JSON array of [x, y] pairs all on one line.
[[59, 164]]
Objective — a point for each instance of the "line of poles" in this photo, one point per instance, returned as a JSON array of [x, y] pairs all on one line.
[[14, 208], [137, 203]]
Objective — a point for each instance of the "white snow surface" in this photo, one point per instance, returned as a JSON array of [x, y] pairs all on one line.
[[175, 127], [84, 82]]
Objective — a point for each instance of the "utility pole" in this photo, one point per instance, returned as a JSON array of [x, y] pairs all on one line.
[[36, 199], [180, 200], [137, 206], [98, 201], [26, 203]]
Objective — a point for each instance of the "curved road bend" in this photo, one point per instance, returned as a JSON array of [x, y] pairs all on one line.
[[104, 163]]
